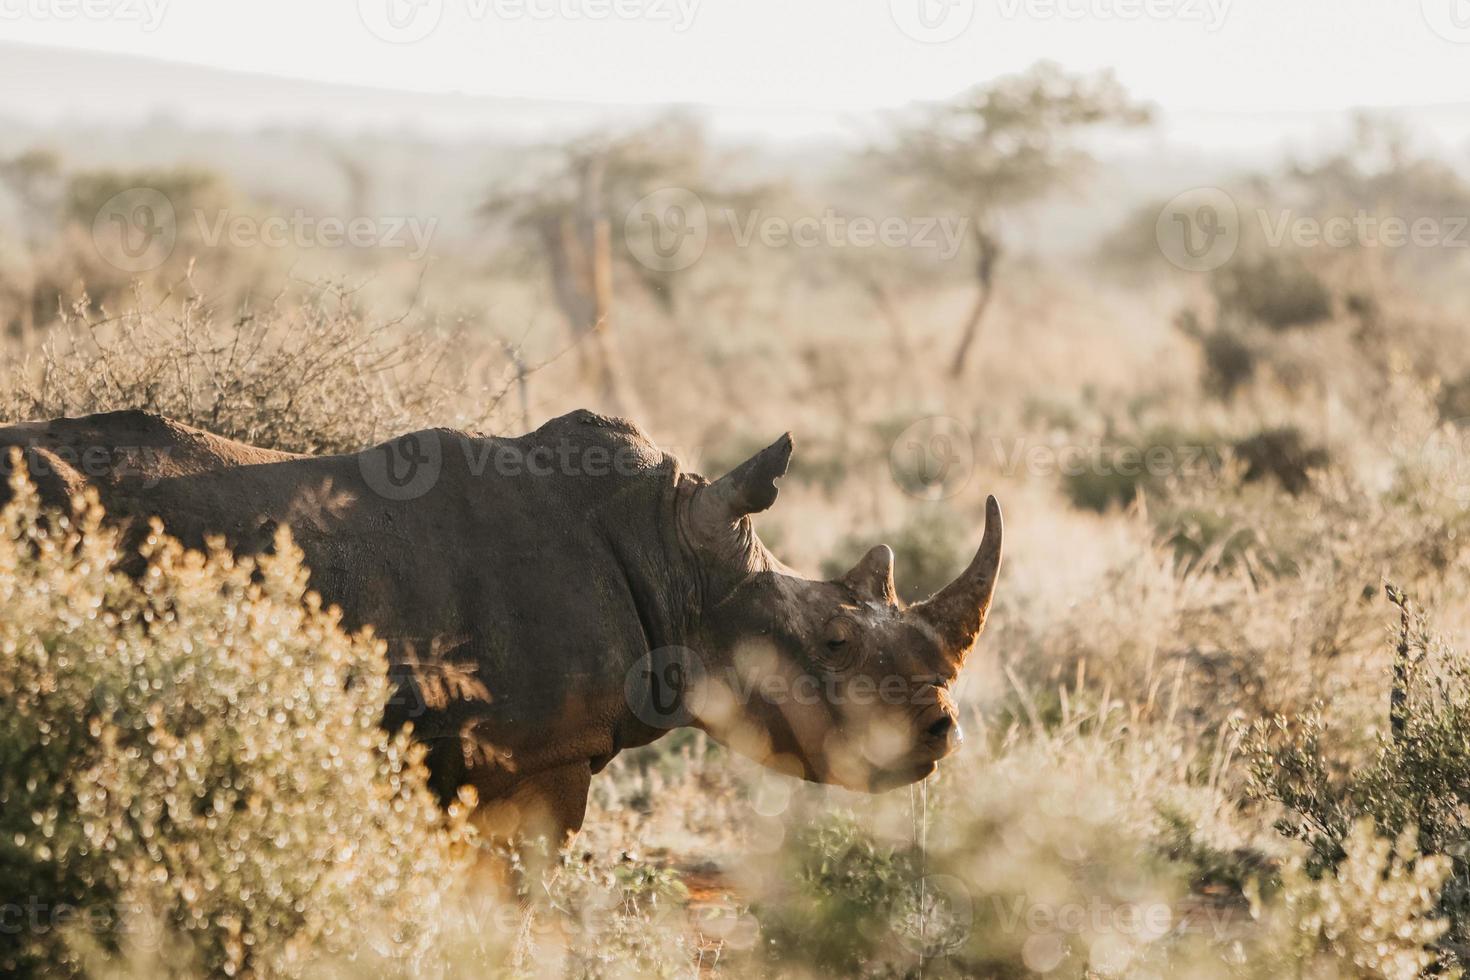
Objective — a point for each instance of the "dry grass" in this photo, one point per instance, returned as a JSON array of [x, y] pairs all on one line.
[[309, 374], [1131, 646]]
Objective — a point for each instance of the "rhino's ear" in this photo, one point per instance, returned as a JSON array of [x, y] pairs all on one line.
[[747, 489]]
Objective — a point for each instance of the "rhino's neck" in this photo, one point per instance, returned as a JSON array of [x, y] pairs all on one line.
[[660, 571], [716, 566]]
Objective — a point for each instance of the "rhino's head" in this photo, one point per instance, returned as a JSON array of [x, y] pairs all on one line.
[[839, 681]]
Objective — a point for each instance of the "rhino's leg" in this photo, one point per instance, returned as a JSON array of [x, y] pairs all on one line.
[[543, 809], [553, 803], [549, 804]]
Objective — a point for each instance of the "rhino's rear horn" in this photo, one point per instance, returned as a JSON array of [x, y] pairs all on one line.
[[957, 611], [747, 489], [872, 577]]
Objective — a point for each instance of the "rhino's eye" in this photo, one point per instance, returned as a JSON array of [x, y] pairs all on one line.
[[839, 648]]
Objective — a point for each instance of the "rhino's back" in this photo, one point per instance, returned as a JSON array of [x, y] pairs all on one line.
[[63, 456], [528, 565]]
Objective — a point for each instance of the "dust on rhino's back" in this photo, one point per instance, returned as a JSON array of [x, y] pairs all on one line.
[[63, 456]]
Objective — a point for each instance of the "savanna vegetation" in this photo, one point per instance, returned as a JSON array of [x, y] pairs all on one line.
[[1218, 726]]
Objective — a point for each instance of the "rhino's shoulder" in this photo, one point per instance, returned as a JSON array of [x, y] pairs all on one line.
[[586, 424], [584, 428]]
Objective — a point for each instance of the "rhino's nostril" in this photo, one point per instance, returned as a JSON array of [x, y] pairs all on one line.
[[941, 727]]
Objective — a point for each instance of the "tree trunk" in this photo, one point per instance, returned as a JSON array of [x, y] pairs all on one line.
[[609, 366], [903, 348], [989, 252], [578, 246]]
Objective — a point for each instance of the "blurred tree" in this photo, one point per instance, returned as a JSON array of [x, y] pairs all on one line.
[[34, 178], [188, 191], [886, 274], [1003, 145], [1378, 169], [573, 212], [357, 177]]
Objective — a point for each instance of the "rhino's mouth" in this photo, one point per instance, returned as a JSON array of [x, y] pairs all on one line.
[[883, 780]]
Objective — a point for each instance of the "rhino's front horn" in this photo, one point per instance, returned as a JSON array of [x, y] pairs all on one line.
[[957, 611]]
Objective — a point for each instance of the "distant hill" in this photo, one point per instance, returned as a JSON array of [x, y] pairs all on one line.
[[48, 85], [44, 86], [282, 139]]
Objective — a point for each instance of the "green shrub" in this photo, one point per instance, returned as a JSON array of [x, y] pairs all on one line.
[[1374, 917], [1283, 454], [1118, 471], [199, 748], [1228, 363], [1276, 289], [844, 893], [104, 214], [929, 549], [1453, 400], [1415, 779], [1038, 860], [1061, 856]]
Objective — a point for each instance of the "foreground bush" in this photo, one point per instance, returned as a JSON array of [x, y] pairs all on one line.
[[1415, 779], [196, 755], [1051, 859], [1373, 918]]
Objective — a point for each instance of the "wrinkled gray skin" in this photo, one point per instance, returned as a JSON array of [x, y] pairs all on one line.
[[521, 584]]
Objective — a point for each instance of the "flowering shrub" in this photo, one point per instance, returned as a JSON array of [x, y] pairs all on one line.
[[195, 756], [1373, 918], [1051, 858]]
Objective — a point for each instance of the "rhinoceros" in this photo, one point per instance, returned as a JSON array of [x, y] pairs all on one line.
[[552, 599]]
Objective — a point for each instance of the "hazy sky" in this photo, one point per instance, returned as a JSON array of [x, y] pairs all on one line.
[[833, 54]]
